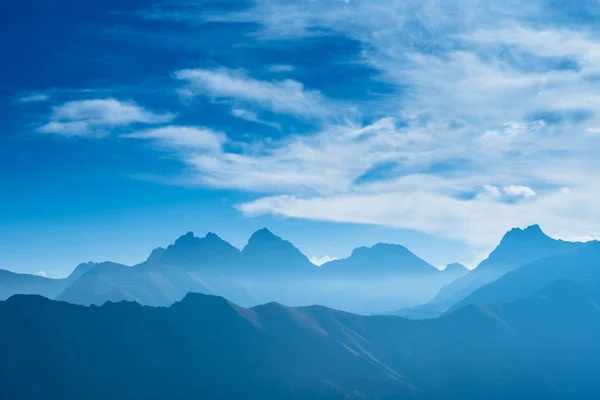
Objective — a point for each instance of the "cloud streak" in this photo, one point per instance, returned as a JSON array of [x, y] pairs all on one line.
[[279, 96], [96, 117]]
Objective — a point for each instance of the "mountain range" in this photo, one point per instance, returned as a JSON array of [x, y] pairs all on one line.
[[268, 268], [12, 283], [202, 319], [542, 346], [517, 248], [371, 280]]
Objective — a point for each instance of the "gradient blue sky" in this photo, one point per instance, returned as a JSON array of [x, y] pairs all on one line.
[[436, 124]]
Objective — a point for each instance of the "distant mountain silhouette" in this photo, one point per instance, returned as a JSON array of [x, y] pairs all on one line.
[[269, 268], [268, 255], [431, 310], [148, 283], [456, 269], [80, 270], [544, 346], [208, 254], [583, 263], [517, 247], [379, 260], [12, 283]]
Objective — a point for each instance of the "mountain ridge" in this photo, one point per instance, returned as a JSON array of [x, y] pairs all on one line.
[[511, 350]]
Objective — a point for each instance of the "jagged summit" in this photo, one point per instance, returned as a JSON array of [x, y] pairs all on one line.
[[532, 232], [212, 236], [187, 238], [195, 252]]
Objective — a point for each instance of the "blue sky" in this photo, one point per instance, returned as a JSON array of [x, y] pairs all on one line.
[[435, 124]]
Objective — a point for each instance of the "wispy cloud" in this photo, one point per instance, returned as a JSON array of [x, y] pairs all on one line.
[[490, 122], [485, 86], [253, 117], [34, 98], [41, 273], [279, 96], [97, 116], [178, 137]]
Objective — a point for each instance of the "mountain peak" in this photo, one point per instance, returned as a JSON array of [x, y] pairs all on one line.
[[381, 258], [267, 251], [81, 269], [191, 251], [455, 267], [263, 235], [380, 248], [187, 238], [156, 254], [531, 232]]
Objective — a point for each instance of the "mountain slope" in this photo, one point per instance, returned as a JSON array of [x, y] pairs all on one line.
[[517, 247], [267, 255], [455, 270], [206, 347], [378, 261], [209, 254], [202, 347], [149, 283], [528, 279], [12, 283]]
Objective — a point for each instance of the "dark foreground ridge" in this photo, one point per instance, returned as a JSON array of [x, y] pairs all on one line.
[[207, 347]]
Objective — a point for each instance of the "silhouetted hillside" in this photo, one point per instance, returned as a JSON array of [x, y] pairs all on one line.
[[544, 346]]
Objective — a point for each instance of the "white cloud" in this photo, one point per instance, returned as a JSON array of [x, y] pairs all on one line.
[[253, 117], [193, 138], [492, 190], [72, 128], [318, 261], [591, 236], [41, 273], [284, 96], [477, 139], [34, 98], [97, 116], [478, 222], [519, 191]]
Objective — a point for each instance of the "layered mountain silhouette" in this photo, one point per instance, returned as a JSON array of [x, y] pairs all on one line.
[[150, 283], [209, 254], [12, 283], [517, 248], [380, 260], [583, 263], [267, 255], [543, 346], [455, 270], [268, 268]]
